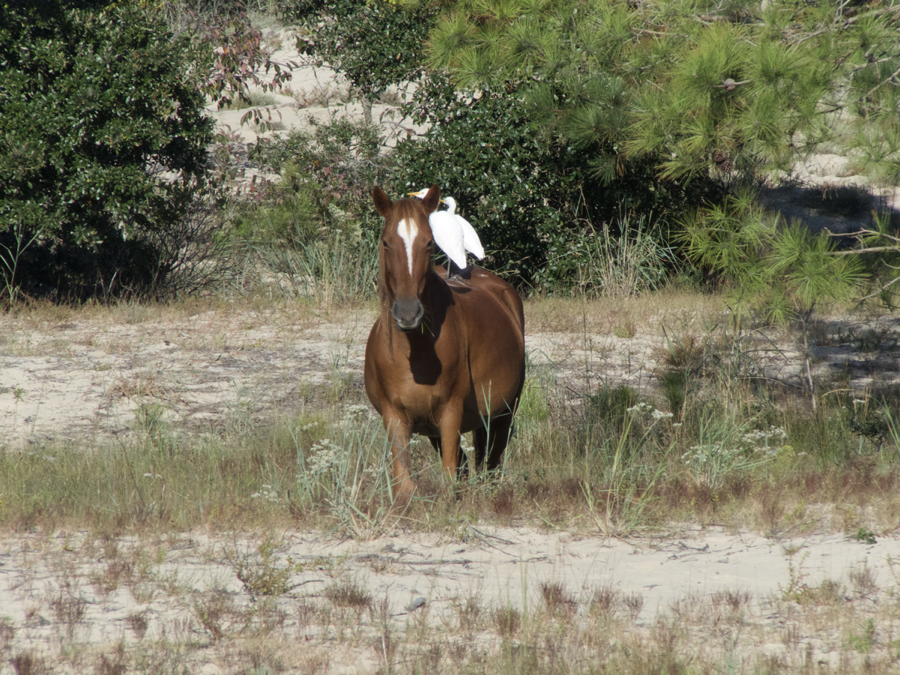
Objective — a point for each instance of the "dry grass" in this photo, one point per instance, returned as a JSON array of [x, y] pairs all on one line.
[[680, 310]]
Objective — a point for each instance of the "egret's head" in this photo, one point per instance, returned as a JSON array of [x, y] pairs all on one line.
[[421, 195]]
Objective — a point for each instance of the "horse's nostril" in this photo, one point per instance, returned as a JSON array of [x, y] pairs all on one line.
[[407, 313]]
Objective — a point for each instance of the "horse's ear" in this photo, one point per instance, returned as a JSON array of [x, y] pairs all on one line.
[[432, 199], [383, 203]]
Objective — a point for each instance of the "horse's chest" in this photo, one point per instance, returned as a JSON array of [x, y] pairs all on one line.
[[438, 365], [422, 384], [429, 370]]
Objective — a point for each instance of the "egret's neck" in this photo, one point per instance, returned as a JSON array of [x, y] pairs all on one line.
[[451, 204]]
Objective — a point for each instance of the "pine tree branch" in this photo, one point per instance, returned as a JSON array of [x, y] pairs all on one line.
[[863, 231], [871, 249], [846, 23], [882, 83], [882, 289]]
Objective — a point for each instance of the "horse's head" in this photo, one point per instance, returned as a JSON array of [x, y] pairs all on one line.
[[406, 247]]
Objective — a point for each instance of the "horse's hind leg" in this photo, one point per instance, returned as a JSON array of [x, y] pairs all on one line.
[[491, 442], [462, 473]]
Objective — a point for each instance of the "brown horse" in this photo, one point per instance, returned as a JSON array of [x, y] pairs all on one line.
[[446, 356]]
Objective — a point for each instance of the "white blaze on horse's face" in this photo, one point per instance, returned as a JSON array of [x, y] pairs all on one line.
[[407, 229]]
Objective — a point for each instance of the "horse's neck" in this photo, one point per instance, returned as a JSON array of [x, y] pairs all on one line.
[[435, 293]]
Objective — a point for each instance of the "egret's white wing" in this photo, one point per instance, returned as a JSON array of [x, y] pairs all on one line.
[[448, 236], [471, 242]]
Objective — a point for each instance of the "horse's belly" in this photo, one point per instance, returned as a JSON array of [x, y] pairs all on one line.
[[497, 383], [488, 400]]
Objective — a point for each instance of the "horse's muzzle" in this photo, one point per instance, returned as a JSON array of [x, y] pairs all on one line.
[[407, 313]]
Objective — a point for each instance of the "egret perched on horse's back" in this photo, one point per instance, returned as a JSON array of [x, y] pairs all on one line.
[[453, 233]]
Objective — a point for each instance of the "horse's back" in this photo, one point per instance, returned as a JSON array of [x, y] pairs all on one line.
[[480, 278]]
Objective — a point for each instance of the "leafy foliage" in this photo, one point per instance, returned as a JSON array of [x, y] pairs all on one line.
[[534, 200], [232, 56], [325, 187], [102, 144]]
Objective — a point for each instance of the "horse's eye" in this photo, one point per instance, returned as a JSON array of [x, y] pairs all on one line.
[[384, 243]]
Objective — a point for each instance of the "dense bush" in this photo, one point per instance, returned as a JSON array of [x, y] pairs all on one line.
[[519, 192], [326, 176], [534, 200], [314, 226], [103, 143]]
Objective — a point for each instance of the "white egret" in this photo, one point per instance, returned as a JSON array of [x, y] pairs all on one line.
[[471, 242], [453, 233]]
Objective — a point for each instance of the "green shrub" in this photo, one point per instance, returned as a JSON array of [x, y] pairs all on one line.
[[535, 201], [327, 174], [519, 193], [316, 225], [103, 142]]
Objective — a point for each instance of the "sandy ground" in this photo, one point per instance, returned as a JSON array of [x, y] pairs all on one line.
[[78, 382], [424, 579]]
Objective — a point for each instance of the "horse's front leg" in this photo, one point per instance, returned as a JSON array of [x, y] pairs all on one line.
[[399, 433], [450, 422]]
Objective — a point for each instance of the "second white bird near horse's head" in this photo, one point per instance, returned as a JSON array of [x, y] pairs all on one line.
[[453, 233]]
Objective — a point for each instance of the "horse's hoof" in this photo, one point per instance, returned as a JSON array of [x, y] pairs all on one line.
[[404, 494]]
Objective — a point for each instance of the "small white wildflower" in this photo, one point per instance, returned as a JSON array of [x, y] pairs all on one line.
[[325, 455], [357, 410], [659, 414]]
